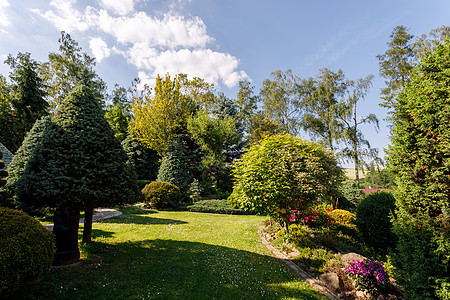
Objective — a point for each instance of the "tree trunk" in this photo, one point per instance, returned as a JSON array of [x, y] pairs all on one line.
[[65, 229], [87, 230]]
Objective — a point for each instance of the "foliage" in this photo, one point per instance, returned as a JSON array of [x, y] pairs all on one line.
[[67, 69], [160, 118], [216, 206], [160, 195], [282, 100], [26, 249], [75, 160], [246, 103], [11, 126], [367, 275], [373, 218], [118, 112], [284, 173], [420, 159], [260, 126], [351, 193], [396, 64], [143, 160], [342, 216], [321, 96], [174, 168], [3, 174], [379, 179], [195, 191], [212, 134], [358, 149]]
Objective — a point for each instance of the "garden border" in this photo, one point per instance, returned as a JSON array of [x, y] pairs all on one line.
[[313, 281]]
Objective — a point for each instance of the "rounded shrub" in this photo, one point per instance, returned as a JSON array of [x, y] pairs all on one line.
[[342, 216], [26, 249], [161, 195], [373, 219]]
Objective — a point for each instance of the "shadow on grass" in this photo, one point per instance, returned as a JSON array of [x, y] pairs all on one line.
[[168, 269], [136, 215]]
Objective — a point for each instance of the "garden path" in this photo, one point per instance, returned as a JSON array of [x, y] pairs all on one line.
[[101, 214]]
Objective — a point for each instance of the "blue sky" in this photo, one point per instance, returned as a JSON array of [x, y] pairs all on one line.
[[222, 41]]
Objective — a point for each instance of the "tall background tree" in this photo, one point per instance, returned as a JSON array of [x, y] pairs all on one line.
[[281, 100], [396, 64], [321, 96], [419, 156], [358, 149], [67, 69]]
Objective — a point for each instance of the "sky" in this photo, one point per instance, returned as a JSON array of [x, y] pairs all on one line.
[[222, 41]]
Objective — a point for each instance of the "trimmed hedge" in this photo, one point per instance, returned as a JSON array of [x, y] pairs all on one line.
[[217, 206], [160, 195], [373, 219], [26, 249]]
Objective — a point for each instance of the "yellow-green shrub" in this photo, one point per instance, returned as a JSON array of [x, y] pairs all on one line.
[[26, 249], [342, 216], [161, 194]]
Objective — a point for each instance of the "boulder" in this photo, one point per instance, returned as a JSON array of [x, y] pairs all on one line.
[[347, 258], [331, 280]]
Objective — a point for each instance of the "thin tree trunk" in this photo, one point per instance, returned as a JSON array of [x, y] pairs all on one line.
[[87, 231]]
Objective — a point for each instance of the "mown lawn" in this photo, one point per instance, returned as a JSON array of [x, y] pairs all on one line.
[[173, 255]]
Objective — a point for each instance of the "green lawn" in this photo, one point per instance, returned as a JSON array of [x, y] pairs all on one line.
[[173, 255]]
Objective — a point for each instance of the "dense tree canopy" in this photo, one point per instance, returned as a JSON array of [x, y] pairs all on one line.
[[420, 157]]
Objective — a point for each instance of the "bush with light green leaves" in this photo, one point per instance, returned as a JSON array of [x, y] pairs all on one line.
[[284, 173]]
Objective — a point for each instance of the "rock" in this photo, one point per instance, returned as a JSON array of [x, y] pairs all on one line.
[[347, 258], [331, 280]]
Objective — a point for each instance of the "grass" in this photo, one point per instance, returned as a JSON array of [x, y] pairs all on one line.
[[173, 255]]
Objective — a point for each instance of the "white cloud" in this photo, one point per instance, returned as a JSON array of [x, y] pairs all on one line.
[[171, 31], [65, 16], [121, 7], [171, 43], [99, 49], [4, 20], [214, 67]]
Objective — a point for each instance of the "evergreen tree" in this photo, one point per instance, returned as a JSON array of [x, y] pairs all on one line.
[[143, 160], [28, 89], [174, 168], [3, 174], [419, 156], [79, 165]]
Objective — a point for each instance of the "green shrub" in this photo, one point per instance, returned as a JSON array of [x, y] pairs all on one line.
[[161, 195], [351, 195], [342, 216], [142, 183], [217, 206], [374, 222], [284, 173], [26, 249]]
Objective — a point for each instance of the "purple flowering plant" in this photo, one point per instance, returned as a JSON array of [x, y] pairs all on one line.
[[367, 275]]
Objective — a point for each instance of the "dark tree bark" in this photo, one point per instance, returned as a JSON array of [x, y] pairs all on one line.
[[87, 231], [65, 228]]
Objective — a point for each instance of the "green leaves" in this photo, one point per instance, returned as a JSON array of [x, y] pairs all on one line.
[[274, 175]]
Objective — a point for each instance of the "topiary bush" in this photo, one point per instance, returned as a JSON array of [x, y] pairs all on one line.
[[161, 195], [26, 249], [342, 216], [373, 219]]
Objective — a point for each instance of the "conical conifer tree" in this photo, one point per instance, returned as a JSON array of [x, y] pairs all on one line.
[[174, 167], [79, 165]]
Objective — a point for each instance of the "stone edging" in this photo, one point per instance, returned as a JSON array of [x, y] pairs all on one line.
[[313, 281]]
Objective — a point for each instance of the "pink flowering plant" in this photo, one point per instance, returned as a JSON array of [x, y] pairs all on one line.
[[367, 275], [314, 218]]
